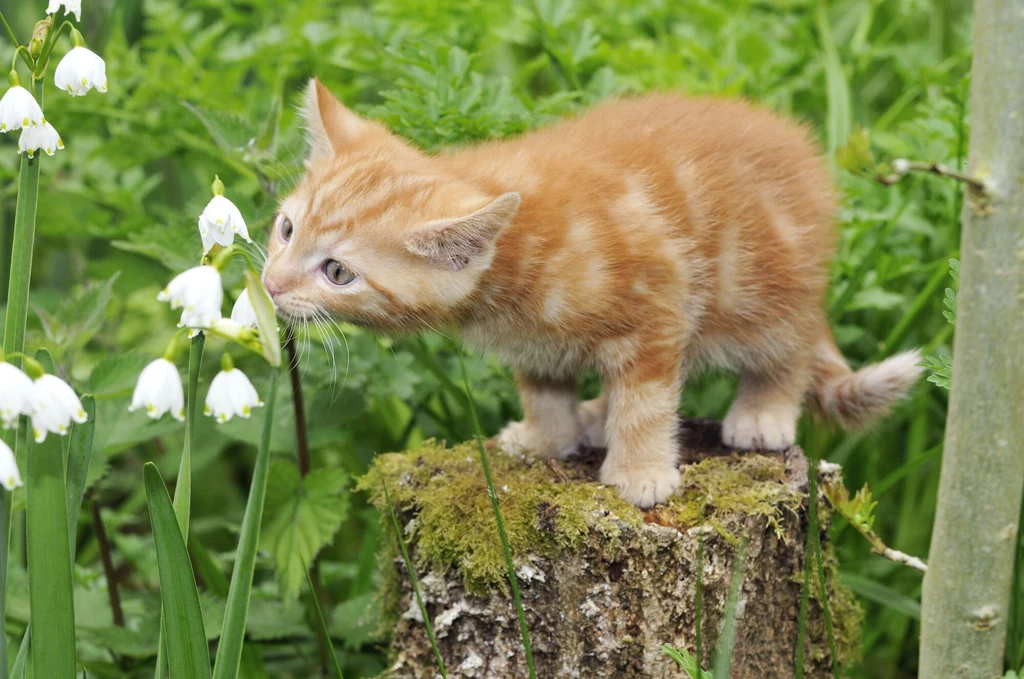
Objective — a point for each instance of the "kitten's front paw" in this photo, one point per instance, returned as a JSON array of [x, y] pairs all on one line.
[[769, 429], [519, 437], [644, 486]]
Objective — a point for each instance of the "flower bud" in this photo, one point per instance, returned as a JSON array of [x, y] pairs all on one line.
[[39, 34]]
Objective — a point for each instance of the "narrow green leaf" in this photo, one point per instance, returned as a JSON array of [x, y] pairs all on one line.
[[723, 658], [229, 653], [78, 467], [266, 318], [51, 598], [188, 655], [323, 626], [183, 487], [412, 578], [20, 667]]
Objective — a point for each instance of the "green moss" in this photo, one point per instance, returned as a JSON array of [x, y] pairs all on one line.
[[544, 514], [725, 488], [455, 525]]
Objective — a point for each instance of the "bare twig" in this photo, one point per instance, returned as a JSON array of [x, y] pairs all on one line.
[[108, 564], [857, 510], [901, 167], [301, 434]]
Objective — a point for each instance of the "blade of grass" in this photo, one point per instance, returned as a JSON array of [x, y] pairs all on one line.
[[20, 666], [323, 628], [723, 657], [51, 599], [188, 655], [805, 589], [838, 124], [229, 653], [79, 458], [814, 540], [413, 578], [513, 580], [698, 605]]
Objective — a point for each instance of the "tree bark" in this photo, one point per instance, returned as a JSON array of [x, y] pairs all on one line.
[[967, 587], [604, 606]]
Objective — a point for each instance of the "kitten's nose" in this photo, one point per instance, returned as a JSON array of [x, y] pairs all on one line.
[[273, 288]]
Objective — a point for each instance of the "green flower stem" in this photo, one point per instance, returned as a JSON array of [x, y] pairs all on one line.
[[16, 43], [51, 40], [14, 330], [183, 485], [229, 653]]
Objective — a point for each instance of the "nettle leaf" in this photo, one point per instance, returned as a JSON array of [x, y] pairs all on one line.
[[302, 516], [77, 318]]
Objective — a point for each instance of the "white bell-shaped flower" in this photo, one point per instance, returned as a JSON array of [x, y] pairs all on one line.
[[40, 137], [70, 6], [19, 109], [231, 393], [54, 406], [15, 395], [159, 391], [9, 476], [79, 71], [243, 313], [198, 293], [220, 222]]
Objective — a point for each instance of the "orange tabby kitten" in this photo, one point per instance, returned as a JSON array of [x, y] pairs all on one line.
[[649, 237]]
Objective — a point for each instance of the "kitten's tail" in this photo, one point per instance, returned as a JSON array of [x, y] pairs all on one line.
[[854, 399]]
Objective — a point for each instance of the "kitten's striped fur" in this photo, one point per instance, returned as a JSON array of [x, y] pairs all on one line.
[[645, 239]]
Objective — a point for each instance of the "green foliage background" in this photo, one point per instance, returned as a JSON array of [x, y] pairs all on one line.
[[199, 87]]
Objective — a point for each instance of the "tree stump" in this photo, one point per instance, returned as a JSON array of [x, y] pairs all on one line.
[[603, 583]]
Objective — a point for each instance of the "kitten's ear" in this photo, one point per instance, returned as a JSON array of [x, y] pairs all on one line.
[[329, 125], [452, 243]]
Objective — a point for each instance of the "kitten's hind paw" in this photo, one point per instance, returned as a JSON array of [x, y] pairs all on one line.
[[644, 486], [520, 438], [772, 428]]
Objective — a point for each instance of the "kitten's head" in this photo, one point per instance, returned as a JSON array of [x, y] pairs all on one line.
[[378, 233]]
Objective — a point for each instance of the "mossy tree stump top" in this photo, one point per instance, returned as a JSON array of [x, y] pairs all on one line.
[[604, 583]]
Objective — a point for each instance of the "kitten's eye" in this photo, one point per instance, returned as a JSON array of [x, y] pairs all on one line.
[[338, 273], [285, 228]]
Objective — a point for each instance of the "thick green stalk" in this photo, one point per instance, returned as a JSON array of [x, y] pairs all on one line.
[[20, 276], [229, 653], [183, 485], [966, 593]]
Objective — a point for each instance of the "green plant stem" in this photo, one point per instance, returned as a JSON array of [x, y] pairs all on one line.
[[302, 459], [412, 578], [513, 580], [183, 486], [14, 39], [20, 276], [229, 653]]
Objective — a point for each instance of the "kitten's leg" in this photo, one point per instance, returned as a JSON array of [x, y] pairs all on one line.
[[549, 427], [592, 415], [765, 413], [643, 399]]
